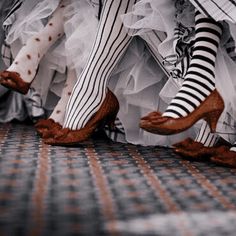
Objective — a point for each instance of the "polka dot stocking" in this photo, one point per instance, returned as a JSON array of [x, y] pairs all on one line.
[[58, 113], [28, 58]]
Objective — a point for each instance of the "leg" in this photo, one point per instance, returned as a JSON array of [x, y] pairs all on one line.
[[202, 148], [89, 99], [110, 44], [197, 97], [57, 117], [225, 156], [58, 114], [21, 73]]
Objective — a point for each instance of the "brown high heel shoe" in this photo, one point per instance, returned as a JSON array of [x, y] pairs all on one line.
[[224, 157], [210, 110], [51, 132], [185, 143], [12, 80], [105, 115], [198, 152], [44, 125], [152, 115]]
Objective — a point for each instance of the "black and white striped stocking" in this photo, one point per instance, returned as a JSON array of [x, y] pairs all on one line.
[[110, 44], [233, 148], [205, 136], [199, 81]]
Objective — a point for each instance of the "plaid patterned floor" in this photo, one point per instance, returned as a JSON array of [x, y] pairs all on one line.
[[105, 188]]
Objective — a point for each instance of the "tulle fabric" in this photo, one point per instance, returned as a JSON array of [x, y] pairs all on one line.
[[137, 82], [71, 51], [152, 15], [29, 19], [218, 9], [148, 15], [80, 32]]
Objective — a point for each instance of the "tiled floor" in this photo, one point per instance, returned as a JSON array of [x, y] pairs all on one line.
[[106, 188]]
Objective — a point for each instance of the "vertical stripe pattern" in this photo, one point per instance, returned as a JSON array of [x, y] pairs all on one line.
[[205, 136], [110, 44]]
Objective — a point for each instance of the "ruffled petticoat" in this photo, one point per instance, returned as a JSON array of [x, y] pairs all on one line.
[[15, 106], [69, 52], [165, 15], [137, 82]]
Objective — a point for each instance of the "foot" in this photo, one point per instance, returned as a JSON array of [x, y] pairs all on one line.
[[197, 152], [105, 115], [185, 143], [13, 80], [225, 157], [210, 110], [193, 100], [45, 125]]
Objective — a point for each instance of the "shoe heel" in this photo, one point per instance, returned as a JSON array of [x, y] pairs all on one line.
[[114, 109], [111, 119], [212, 119]]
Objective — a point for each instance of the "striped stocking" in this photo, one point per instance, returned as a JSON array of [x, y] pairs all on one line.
[[110, 44], [205, 136], [199, 81], [233, 148]]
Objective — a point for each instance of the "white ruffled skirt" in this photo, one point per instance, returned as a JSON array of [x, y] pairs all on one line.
[[149, 15], [137, 83], [71, 51]]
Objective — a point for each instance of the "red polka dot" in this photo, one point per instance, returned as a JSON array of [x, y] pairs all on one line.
[[16, 62], [37, 39], [69, 93], [58, 111], [51, 24], [28, 56], [29, 72], [49, 38]]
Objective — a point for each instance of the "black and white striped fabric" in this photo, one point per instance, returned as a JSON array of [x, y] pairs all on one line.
[[116, 134], [183, 49], [233, 148], [217, 9], [110, 44], [8, 18], [205, 136], [199, 81]]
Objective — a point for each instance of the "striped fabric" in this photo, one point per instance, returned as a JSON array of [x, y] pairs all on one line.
[[233, 148], [199, 81], [218, 9], [206, 137], [111, 42]]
